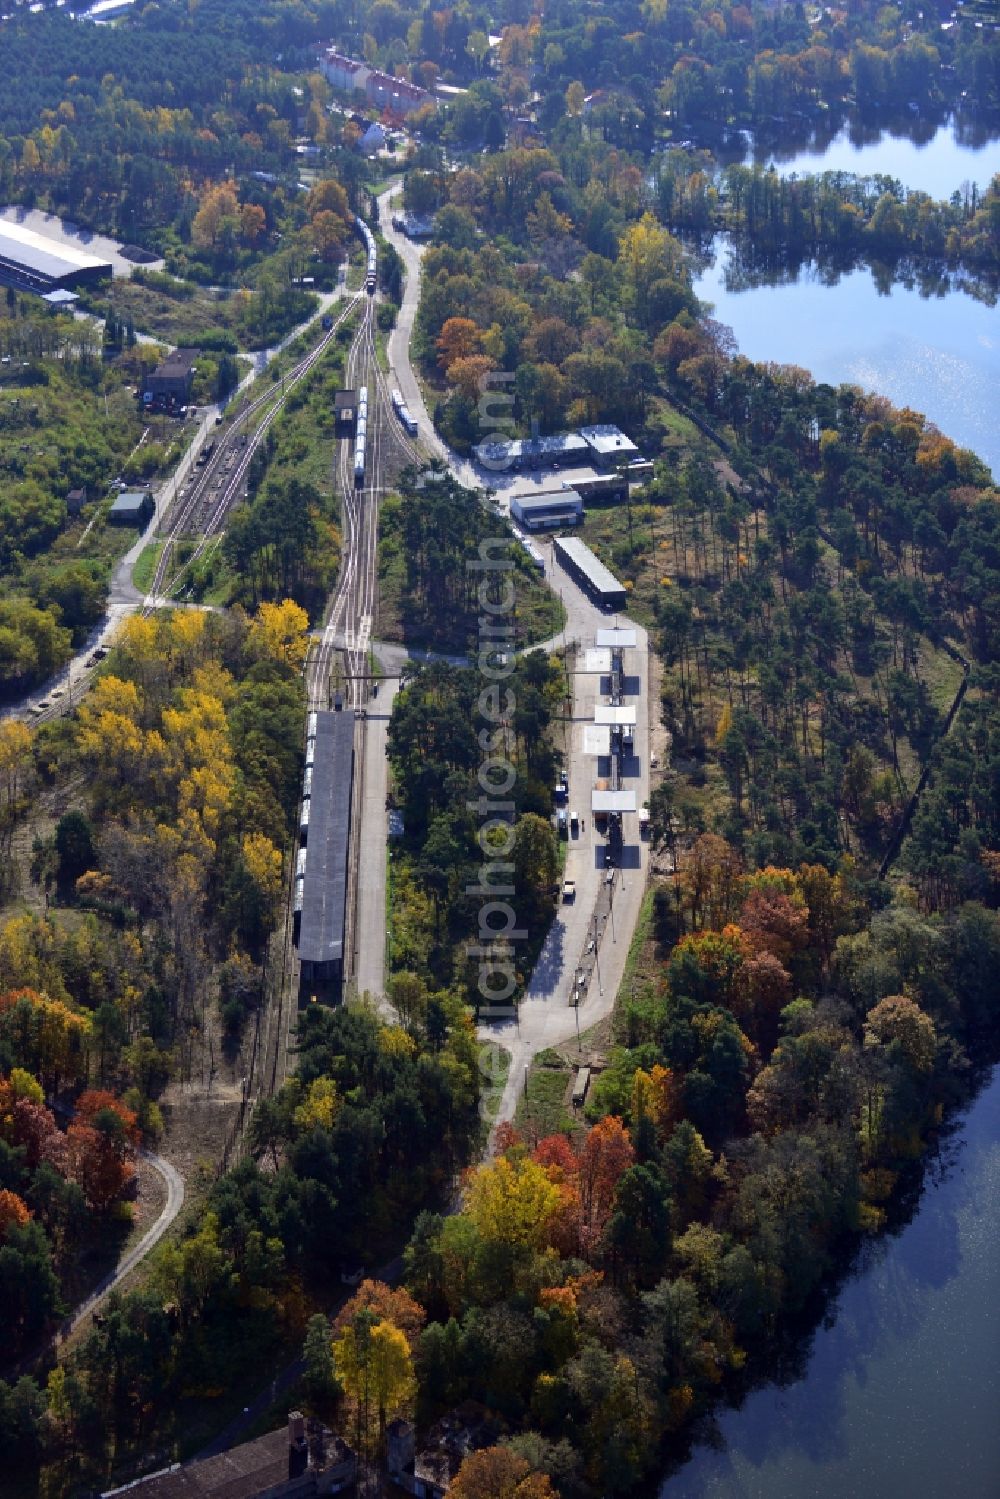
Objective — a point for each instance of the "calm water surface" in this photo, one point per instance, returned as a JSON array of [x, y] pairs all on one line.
[[939, 355], [902, 1390], [939, 165]]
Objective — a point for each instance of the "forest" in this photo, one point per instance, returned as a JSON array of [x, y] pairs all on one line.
[[435, 754], [813, 993], [835, 218], [67, 421], [429, 527]]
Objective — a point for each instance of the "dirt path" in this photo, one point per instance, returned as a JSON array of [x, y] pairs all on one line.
[[134, 1256]]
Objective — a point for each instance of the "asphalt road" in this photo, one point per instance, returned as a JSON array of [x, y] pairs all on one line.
[[370, 928], [609, 913], [546, 1017]]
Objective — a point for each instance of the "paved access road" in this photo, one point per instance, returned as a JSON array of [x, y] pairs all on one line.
[[546, 1017]]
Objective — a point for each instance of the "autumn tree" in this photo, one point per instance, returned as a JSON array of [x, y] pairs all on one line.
[[218, 215], [15, 771], [386, 1304], [499, 1473], [897, 1023], [606, 1154], [280, 632], [459, 338], [512, 1202], [374, 1366], [13, 1212]]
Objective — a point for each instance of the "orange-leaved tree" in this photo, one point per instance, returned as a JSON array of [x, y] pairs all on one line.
[[499, 1473]]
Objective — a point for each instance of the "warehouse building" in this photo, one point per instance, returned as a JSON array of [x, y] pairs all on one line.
[[597, 581], [600, 489], [133, 508], [560, 450], [30, 261], [305, 1460], [547, 511], [324, 890]]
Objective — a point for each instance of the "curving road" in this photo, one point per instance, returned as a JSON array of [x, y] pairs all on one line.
[[175, 1201], [609, 914]]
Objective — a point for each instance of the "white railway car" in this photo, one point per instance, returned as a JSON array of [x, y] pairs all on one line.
[[361, 437], [371, 270], [402, 411]]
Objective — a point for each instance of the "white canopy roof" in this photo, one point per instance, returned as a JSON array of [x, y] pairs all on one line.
[[618, 717], [597, 661], [612, 801], [596, 740], [616, 638]]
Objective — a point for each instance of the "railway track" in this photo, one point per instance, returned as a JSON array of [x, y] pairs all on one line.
[[205, 506]]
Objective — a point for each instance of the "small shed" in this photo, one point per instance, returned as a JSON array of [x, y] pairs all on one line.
[[345, 410], [75, 501], [133, 508]]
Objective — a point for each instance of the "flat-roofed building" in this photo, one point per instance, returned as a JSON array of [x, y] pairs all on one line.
[[596, 580], [558, 450], [547, 511], [607, 803], [31, 261], [345, 412], [608, 445], [621, 716], [132, 508], [616, 638], [324, 892]]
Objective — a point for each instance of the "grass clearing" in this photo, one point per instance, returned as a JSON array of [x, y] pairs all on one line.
[[543, 1106], [145, 568]]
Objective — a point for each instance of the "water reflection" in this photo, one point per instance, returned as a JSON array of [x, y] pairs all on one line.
[[922, 346], [902, 1382], [936, 153]]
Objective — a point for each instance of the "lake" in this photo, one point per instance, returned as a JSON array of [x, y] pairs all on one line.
[[902, 1386], [940, 354], [937, 159]]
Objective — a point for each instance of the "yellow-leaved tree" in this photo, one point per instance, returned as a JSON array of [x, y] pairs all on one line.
[[264, 866], [513, 1202], [280, 632], [15, 770], [373, 1363], [318, 1108]]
